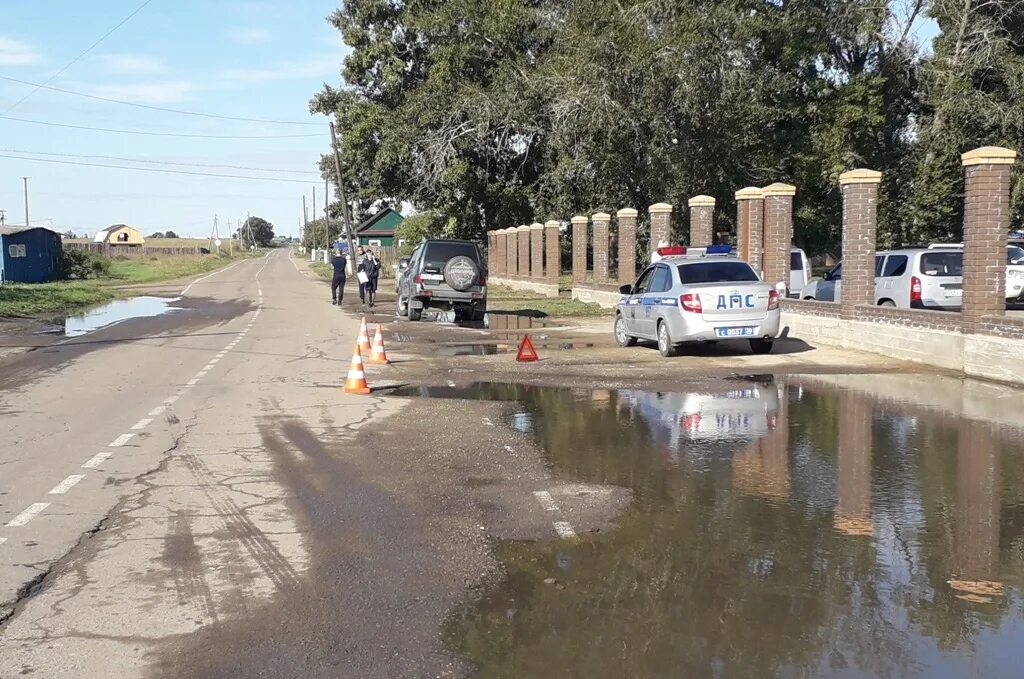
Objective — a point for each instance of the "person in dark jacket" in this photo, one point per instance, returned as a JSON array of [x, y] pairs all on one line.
[[370, 267], [338, 262]]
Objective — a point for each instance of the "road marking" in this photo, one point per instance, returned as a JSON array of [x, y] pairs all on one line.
[[142, 424], [3, 540], [67, 484], [545, 500], [212, 362], [171, 400], [509, 449], [121, 440], [192, 382], [199, 280], [32, 512], [202, 373], [450, 383], [158, 411], [96, 460], [564, 530]]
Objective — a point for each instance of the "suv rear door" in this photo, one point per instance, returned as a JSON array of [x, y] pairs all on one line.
[[436, 254]]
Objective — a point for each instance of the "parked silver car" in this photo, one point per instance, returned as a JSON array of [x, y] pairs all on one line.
[[698, 295]]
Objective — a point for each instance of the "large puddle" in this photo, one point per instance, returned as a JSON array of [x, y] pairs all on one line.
[[116, 312], [857, 526]]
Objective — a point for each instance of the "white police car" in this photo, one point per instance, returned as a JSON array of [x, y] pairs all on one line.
[[698, 295]]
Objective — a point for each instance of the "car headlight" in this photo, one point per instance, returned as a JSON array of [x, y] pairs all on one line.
[[1015, 274]]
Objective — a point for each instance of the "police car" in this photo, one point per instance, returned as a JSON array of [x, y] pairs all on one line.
[[698, 295]]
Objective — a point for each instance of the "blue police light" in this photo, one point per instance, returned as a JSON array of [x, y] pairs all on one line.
[[719, 249]]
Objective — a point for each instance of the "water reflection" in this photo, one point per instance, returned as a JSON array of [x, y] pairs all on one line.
[[775, 531], [116, 312]]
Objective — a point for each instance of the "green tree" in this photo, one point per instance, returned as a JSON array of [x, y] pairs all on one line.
[[262, 231], [414, 229], [170, 234], [156, 234]]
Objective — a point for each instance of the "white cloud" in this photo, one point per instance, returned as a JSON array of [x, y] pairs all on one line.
[[132, 64], [249, 36], [17, 53], [153, 92]]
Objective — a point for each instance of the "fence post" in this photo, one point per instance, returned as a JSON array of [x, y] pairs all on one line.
[[778, 232], [537, 251], [627, 245], [500, 256], [986, 224], [601, 220], [702, 220], [553, 252], [492, 248], [524, 251], [512, 234], [860, 235], [579, 248], [749, 226], [661, 226]]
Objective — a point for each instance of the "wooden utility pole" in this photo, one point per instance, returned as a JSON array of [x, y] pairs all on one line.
[[346, 219], [327, 217]]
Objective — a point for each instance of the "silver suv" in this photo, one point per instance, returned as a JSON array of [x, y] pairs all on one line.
[[443, 274]]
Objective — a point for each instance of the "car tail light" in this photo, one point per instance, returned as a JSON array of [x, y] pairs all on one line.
[[691, 302], [483, 281], [418, 278], [915, 289], [773, 300], [674, 250]]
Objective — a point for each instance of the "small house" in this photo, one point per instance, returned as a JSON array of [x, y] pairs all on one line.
[[29, 254], [379, 230], [120, 234]]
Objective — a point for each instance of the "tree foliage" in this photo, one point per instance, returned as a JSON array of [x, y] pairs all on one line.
[[262, 231], [493, 113]]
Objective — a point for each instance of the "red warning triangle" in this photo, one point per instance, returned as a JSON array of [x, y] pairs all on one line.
[[526, 351]]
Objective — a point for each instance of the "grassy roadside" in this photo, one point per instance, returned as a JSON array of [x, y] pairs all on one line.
[[505, 299], [29, 299]]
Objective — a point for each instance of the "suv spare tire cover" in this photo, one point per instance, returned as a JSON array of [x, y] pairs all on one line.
[[460, 273]]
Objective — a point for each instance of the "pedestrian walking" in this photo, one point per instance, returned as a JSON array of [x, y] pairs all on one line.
[[338, 262], [373, 271], [369, 272]]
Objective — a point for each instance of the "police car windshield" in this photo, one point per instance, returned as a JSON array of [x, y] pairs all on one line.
[[716, 272]]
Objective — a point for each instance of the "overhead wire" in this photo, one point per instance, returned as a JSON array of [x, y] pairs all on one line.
[[159, 108], [155, 169], [158, 134], [162, 162], [74, 61]]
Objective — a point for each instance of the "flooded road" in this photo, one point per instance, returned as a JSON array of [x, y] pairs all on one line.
[[116, 312], [790, 529]]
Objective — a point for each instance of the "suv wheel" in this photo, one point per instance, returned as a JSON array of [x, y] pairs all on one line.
[[403, 307], [665, 345], [621, 336]]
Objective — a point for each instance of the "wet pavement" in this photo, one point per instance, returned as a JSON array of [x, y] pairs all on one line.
[[778, 528], [117, 312]]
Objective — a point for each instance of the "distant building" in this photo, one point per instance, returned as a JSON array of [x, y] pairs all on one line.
[[379, 230], [29, 255], [120, 234]]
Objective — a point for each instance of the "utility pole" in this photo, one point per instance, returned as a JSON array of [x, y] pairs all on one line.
[[346, 219], [25, 180], [3, 217], [231, 240], [215, 236], [314, 239], [327, 216]]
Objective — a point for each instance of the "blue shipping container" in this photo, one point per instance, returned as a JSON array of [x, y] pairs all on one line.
[[29, 255]]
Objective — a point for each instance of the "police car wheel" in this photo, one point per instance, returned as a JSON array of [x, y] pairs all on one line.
[[665, 345], [621, 336]]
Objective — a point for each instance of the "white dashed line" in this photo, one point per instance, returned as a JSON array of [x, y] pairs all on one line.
[[3, 540], [96, 460], [121, 440], [545, 500], [67, 484], [199, 280], [158, 411], [32, 512], [171, 400], [564, 530], [142, 424]]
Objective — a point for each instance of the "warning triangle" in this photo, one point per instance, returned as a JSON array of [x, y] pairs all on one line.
[[526, 351]]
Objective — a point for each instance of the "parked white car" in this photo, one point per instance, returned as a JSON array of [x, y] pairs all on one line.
[[799, 272], [1014, 269]]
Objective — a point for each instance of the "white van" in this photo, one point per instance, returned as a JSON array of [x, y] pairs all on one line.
[[799, 272], [1014, 269]]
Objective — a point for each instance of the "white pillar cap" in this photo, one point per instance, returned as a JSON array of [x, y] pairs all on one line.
[[989, 155], [660, 208], [627, 212], [778, 189], [860, 176], [701, 201], [601, 217], [580, 219]]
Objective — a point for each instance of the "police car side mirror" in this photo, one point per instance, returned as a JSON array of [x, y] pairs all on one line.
[[827, 276], [625, 289]]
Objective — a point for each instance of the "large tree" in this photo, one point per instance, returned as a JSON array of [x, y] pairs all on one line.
[[262, 231]]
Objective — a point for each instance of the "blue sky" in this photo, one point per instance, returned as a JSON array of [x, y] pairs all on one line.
[[227, 57]]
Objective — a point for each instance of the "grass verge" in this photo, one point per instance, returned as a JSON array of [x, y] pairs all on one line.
[[153, 269], [27, 299], [324, 271], [504, 299]]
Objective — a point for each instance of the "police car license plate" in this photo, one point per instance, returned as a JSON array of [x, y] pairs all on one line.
[[735, 332]]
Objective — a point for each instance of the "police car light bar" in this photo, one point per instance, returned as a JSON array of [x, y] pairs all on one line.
[[670, 251], [719, 249]]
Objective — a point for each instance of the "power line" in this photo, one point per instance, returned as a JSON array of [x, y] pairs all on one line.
[[159, 134], [154, 169], [74, 61], [161, 162], [158, 108]]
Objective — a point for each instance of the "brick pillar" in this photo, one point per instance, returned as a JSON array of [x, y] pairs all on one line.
[[749, 203], [512, 268], [537, 251], [552, 252], [986, 225], [778, 231], [501, 252], [702, 220], [601, 220], [976, 535], [627, 245], [661, 225], [524, 251], [860, 235], [853, 485], [579, 248]]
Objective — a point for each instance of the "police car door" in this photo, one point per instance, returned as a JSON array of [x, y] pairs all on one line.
[[652, 304], [634, 311]]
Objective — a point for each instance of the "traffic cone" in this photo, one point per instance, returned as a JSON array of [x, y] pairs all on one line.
[[377, 354], [364, 337], [355, 383]]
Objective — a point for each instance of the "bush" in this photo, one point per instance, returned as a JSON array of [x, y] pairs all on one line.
[[82, 264], [417, 227]]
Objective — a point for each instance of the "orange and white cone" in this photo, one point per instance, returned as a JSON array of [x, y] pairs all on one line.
[[377, 354], [364, 337], [355, 383]]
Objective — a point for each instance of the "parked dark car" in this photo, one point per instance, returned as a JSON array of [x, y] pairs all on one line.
[[443, 274]]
